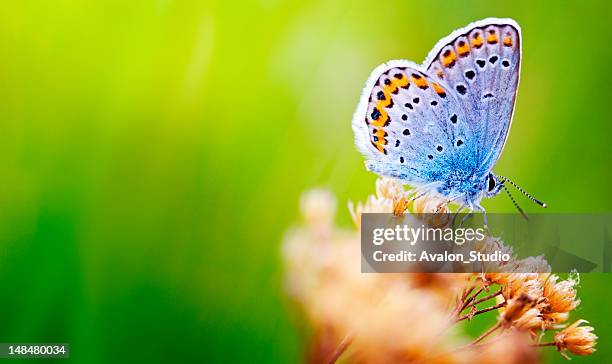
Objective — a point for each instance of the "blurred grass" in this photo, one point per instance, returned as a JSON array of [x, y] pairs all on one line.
[[153, 152]]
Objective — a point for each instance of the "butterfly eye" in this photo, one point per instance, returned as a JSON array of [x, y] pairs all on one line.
[[491, 185]]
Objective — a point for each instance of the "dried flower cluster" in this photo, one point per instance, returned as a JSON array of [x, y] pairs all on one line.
[[413, 318]]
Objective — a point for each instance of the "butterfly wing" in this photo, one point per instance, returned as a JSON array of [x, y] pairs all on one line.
[[410, 126], [481, 64]]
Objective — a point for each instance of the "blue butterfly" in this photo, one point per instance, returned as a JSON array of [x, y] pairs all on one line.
[[441, 126]]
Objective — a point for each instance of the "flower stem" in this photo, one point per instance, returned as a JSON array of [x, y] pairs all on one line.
[[487, 333], [466, 293], [485, 298], [461, 301], [544, 344], [340, 349], [470, 315], [469, 300]]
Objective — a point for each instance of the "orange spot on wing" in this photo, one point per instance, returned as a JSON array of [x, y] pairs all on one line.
[[387, 101], [396, 83], [448, 58], [382, 119], [380, 135], [392, 88], [477, 41], [508, 41], [420, 82], [437, 88], [403, 82], [492, 39], [463, 50]]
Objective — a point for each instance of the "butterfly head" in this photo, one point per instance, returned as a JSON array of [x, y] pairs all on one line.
[[493, 185]]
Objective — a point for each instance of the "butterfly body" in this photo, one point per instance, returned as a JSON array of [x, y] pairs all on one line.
[[441, 126]]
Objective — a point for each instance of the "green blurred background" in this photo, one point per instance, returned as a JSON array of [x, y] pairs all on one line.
[[152, 153]]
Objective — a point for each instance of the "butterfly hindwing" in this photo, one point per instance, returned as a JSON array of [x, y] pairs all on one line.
[[481, 65], [411, 126]]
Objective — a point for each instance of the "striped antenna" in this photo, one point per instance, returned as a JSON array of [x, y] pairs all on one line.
[[514, 202], [504, 180]]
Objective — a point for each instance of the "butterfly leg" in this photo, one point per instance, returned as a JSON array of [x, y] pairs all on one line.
[[484, 216], [416, 196], [447, 202], [455, 214], [468, 214]]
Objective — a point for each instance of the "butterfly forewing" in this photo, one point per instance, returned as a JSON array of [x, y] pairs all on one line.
[[481, 65]]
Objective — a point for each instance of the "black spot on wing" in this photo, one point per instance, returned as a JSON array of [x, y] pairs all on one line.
[[461, 89]]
